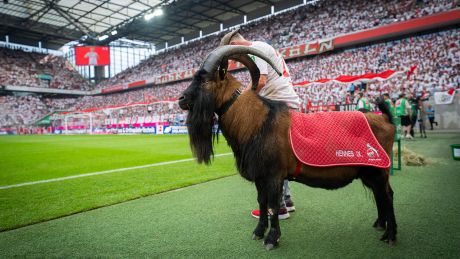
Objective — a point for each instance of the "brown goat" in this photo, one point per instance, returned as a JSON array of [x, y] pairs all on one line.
[[257, 129]]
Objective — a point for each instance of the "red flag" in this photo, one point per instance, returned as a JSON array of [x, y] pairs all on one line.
[[411, 71]]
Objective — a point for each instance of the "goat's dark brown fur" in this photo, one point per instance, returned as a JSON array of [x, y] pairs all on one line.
[[257, 129]]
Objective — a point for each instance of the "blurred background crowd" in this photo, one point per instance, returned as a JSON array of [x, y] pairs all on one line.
[[435, 55]]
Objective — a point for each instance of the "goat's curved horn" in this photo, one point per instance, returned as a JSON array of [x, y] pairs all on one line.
[[247, 62], [252, 67], [215, 58]]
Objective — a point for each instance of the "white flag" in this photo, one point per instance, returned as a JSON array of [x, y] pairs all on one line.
[[444, 97]]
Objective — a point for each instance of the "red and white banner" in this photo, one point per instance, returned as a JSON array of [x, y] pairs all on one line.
[[346, 79], [114, 88], [310, 48], [171, 77]]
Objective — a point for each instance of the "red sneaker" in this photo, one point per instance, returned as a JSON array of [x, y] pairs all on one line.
[[255, 213], [283, 213]]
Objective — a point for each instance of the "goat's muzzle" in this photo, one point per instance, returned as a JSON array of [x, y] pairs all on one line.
[[184, 103]]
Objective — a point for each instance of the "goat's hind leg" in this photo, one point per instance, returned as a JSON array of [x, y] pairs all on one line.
[[368, 178], [391, 230], [262, 199], [377, 180]]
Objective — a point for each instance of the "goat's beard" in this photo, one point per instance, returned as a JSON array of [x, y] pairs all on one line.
[[200, 121]]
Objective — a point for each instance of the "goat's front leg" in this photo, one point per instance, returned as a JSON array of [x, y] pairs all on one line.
[[262, 199], [275, 189]]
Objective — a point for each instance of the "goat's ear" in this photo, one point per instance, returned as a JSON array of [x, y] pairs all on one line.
[[222, 73], [223, 67]]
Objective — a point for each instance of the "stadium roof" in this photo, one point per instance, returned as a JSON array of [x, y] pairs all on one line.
[[56, 22]]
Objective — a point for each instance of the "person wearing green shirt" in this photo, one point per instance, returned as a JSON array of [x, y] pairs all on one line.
[[389, 103], [363, 103], [403, 111]]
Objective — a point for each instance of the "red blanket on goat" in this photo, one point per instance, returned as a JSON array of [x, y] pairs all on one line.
[[335, 139]]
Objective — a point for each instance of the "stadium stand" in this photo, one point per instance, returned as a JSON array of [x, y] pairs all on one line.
[[332, 18], [436, 56], [312, 22], [20, 68], [20, 110], [151, 94]]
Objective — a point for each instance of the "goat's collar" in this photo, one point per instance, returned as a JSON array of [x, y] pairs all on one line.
[[226, 105]]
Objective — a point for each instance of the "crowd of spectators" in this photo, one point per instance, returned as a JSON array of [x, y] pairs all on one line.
[[60, 104], [331, 18], [30, 69], [145, 95], [21, 110], [321, 20], [172, 60], [24, 110], [436, 56]]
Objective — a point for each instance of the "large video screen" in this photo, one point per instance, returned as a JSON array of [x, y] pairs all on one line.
[[92, 56]]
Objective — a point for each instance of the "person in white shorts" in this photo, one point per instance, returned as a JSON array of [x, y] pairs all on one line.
[[273, 87]]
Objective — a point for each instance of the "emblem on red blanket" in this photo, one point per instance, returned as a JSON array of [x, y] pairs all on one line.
[[372, 153]]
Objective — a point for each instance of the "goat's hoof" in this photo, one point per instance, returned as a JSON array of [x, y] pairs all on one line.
[[269, 247], [378, 226], [388, 238], [256, 237], [384, 237]]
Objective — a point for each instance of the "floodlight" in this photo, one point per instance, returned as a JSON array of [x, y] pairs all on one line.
[[103, 37], [158, 12], [148, 16]]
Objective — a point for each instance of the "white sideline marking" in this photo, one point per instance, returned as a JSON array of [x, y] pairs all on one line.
[[102, 172]]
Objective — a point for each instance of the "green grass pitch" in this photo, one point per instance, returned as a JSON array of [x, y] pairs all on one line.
[[209, 220], [36, 158]]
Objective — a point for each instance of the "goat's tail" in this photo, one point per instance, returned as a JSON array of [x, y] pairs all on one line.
[[384, 109]]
